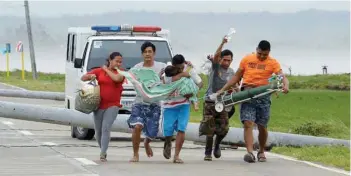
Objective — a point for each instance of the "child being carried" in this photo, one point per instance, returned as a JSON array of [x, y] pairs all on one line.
[[171, 71]]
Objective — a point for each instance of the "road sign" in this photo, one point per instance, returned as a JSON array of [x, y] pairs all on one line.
[[19, 47], [8, 47]]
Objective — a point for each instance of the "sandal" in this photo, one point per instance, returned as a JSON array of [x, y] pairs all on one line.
[[167, 149], [208, 158], [261, 158], [178, 161], [103, 157], [249, 157]]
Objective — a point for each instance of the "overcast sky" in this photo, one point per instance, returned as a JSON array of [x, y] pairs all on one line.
[[57, 8]]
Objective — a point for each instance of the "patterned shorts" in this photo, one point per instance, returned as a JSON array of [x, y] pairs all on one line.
[[256, 110], [213, 122], [146, 115]]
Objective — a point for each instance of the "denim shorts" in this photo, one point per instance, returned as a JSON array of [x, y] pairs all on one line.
[[146, 115], [256, 110]]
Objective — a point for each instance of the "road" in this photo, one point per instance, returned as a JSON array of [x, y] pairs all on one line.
[[35, 149]]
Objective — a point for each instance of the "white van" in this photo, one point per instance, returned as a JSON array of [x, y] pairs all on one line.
[[89, 47]]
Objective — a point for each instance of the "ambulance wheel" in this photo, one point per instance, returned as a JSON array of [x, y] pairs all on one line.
[[72, 133], [83, 133]]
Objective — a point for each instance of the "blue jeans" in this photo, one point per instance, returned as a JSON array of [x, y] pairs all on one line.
[[147, 116]]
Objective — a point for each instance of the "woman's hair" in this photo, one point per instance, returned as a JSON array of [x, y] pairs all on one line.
[[111, 57]]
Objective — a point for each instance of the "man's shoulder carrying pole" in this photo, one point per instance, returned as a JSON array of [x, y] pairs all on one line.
[[225, 100]]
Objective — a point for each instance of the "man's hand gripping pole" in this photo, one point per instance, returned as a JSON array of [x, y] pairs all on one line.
[[224, 100]]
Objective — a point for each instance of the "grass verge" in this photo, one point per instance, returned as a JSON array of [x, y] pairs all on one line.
[[46, 81], [332, 156]]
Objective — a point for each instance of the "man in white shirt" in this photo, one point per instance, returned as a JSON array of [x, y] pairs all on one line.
[[144, 116]]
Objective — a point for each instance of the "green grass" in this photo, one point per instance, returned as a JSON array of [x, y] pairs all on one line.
[[290, 111], [317, 105], [335, 156], [46, 82], [331, 82]]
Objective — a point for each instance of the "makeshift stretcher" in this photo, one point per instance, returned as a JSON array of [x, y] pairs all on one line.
[[148, 85], [225, 100]]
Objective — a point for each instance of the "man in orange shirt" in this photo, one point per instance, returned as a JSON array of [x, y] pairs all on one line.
[[256, 69]]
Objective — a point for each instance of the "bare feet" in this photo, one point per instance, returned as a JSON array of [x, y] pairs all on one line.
[[148, 149], [134, 159]]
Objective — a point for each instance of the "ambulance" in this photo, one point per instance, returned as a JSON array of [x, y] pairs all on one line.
[[89, 47]]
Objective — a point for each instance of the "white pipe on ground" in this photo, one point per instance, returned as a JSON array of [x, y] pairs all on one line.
[[69, 117], [60, 96]]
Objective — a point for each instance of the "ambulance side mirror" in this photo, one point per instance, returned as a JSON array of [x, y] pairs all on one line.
[[78, 63]]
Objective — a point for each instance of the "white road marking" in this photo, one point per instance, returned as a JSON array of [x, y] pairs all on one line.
[[86, 161], [7, 123], [28, 133], [309, 163], [77, 175], [49, 143]]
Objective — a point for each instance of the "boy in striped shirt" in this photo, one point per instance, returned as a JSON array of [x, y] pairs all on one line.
[[177, 111]]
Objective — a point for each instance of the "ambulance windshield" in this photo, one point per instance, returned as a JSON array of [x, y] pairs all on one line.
[[130, 50]]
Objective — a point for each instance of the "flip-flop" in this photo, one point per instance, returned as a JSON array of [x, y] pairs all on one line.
[[103, 157], [178, 161], [208, 158], [261, 158], [167, 147], [249, 157]]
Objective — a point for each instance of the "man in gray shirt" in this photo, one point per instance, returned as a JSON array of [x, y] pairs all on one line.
[[144, 116], [216, 123]]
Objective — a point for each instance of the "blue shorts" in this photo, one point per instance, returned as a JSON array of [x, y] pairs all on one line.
[[256, 110], [175, 119], [146, 115]]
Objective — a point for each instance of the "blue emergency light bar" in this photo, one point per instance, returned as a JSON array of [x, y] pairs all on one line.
[[126, 28], [106, 28]]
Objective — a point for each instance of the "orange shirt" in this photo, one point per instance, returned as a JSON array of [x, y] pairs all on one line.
[[256, 72]]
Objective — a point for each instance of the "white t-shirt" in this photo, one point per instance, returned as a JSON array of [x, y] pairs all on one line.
[[157, 67]]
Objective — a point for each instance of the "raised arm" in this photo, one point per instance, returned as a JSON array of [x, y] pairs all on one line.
[[217, 56]]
